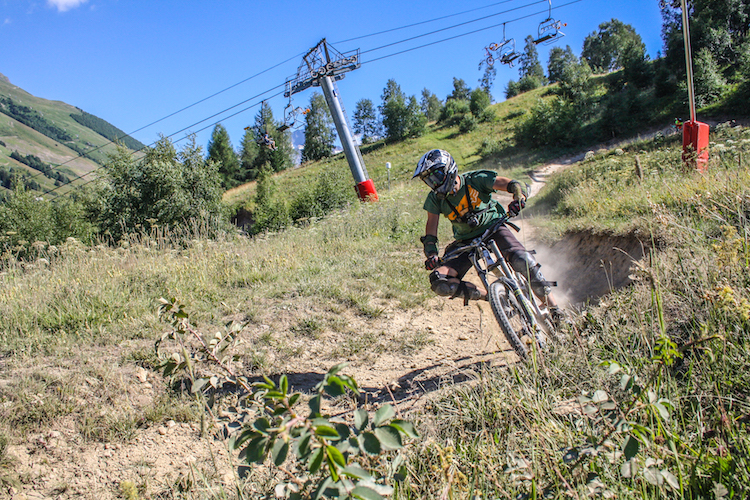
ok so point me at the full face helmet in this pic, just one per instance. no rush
(438, 170)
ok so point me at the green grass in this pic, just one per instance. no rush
(680, 332)
(78, 317)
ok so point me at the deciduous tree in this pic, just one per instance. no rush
(366, 122)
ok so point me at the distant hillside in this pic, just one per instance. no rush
(45, 143)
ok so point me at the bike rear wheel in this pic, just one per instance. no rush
(511, 318)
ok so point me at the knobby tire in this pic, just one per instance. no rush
(513, 328)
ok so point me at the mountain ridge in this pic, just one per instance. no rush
(72, 142)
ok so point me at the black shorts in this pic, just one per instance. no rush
(506, 241)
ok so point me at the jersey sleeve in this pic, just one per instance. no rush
(431, 204)
(485, 180)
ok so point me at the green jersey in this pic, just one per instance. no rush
(475, 196)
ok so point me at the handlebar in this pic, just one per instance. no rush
(504, 220)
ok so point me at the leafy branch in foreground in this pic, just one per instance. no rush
(321, 456)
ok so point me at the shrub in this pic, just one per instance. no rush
(467, 123)
(164, 188)
(479, 101)
(454, 111)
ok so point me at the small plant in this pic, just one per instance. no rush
(321, 456)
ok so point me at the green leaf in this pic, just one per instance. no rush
(355, 472)
(389, 437)
(270, 383)
(364, 493)
(316, 460)
(262, 425)
(370, 443)
(382, 415)
(303, 444)
(315, 405)
(333, 468)
(343, 430)
(293, 399)
(335, 387)
(406, 427)
(361, 418)
(256, 449)
(337, 368)
(244, 436)
(284, 384)
(336, 456)
(326, 431)
(631, 447)
(280, 451)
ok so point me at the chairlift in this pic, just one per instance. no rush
(290, 117)
(290, 112)
(549, 29)
(263, 138)
(507, 50)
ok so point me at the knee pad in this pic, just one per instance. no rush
(442, 285)
(446, 286)
(525, 264)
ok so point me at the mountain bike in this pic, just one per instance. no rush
(522, 317)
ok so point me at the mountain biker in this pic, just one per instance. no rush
(466, 200)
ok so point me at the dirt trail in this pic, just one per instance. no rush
(457, 344)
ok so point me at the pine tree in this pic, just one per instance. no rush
(249, 150)
(220, 151)
(530, 70)
(320, 133)
(280, 158)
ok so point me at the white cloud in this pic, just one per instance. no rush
(64, 5)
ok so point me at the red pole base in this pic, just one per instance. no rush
(366, 191)
(695, 145)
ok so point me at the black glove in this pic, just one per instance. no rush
(432, 262)
(515, 206)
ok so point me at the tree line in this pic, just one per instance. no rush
(636, 85)
(397, 117)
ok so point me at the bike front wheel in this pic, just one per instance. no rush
(511, 317)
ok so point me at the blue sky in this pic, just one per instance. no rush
(133, 62)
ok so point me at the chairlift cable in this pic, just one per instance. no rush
(465, 34)
(421, 22)
(461, 24)
(279, 93)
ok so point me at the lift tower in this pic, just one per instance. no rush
(321, 67)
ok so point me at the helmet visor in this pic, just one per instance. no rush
(434, 178)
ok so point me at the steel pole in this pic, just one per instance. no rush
(688, 59)
(357, 168)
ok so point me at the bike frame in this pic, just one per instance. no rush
(486, 258)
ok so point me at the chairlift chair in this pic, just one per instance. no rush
(506, 50)
(549, 29)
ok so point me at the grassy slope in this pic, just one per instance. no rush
(509, 433)
(26, 141)
(403, 155)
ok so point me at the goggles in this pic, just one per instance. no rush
(434, 178)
